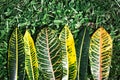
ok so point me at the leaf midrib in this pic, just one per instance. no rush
(100, 61)
(49, 53)
(16, 54)
(67, 53)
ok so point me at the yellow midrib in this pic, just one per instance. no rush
(16, 54)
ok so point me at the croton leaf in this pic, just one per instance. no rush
(16, 56)
(82, 49)
(31, 62)
(49, 54)
(100, 54)
(68, 54)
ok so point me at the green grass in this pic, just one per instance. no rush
(36, 14)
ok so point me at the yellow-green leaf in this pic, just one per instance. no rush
(100, 54)
(31, 62)
(49, 54)
(16, 56)
(68, 54)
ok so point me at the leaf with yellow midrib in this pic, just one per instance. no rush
(100, 54)
(68, 54)
(31, 62)
(16, 56)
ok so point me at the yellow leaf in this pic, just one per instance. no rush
(31, 62)
(68, 54)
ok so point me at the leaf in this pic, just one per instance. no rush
(16, 56)
(49, 54)
(82, 48)
(31, 62)
(68, 54)
(100, 54)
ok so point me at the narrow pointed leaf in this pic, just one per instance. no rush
(82, 48)
(100, 54)
(16, 56)
(68, 54)
(49, 54)
(31, 62)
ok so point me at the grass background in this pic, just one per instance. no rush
(35, 14)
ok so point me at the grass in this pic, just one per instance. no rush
(36, 14)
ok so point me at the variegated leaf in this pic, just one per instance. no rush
(31, 62)
(49, 54)
(100, 54)
(16, 56)
(68, 54)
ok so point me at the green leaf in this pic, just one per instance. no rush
(68, 54)
(16, 56)
(49, 54)
(100, 54)
(31, 62)
(82, 48)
